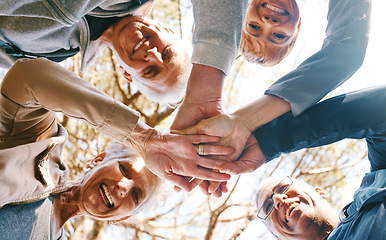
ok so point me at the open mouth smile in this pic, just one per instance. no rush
(290, 210)
(140, 44)
(106, 195)
(275, 9)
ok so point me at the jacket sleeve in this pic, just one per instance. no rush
(340, 57)
(217, 32)
(354, 115)
(42, 87)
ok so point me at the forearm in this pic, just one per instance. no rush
(43, 84)
(205, 84)
(261, 111)
(355, 115)
(140, 136)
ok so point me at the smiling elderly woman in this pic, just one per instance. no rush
(36, 195)
(115, 186)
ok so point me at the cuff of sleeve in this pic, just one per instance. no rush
(122, 118)
(297, 101)
(267, 147)
(213, 56)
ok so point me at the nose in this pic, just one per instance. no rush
(278, 200)
(124, 186)
(154, 55)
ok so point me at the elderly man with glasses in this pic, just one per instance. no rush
(292, 209)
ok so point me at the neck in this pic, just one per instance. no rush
(65, 207)
(327, 226)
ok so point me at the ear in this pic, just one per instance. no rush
(94, 162)
(119, 220)
(300, 23)
(125, 74)
(323, 193)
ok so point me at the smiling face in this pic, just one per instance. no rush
(300, 213)
(115, 188)
(270, 26)
(147, 52)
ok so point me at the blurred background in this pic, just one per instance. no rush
(338, 168)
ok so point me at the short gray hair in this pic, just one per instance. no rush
(175, 92)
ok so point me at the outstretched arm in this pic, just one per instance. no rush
(44, 87)
(40, 87)
(341, 55)
(215, 47)
(355, 115)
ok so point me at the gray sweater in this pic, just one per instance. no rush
(46, 26)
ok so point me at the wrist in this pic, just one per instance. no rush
(140, 137)
(204, 85)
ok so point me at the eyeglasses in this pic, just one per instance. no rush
(269, 204)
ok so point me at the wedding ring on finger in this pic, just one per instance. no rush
(200, 149)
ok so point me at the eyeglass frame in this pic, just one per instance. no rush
(271, 199)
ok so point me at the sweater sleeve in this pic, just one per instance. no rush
(339, 58)
(217, 32)
(45, 87)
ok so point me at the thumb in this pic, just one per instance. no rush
(193, 130)
(238, 167)
(180, 183)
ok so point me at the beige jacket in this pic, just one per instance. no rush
(31, 140)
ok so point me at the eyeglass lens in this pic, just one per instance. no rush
(268, 204)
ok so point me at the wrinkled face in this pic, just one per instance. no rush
(300, 213)
(271, 24)
(115, 188)
(148, 51)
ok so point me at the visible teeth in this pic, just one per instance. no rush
(276, 9)
(290, 210)
(140, 44)
(106, 192)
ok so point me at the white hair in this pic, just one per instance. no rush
(175, 92)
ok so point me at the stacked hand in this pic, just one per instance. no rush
(172, 157)
(202, 108)
(247, 155)
(233, 133)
